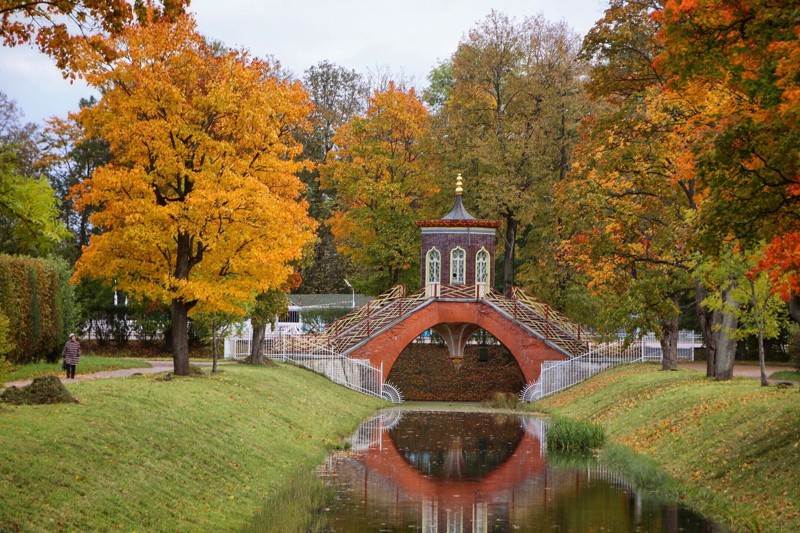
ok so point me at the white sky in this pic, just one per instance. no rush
(403, 36)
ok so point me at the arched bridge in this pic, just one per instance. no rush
(360, 349)
(530, 330)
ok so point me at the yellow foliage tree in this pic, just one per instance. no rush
(200, 205)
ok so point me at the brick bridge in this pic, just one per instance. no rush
(530, 330)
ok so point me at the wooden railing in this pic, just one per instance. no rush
(375, 319)
(371, 307)
(542, 319)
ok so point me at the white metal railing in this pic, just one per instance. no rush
(556, 376)
(687, 342)
(312, 352)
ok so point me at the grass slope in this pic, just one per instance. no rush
(191, 454)
(733, 446)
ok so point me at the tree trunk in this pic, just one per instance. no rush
(726, 344)
(180, 337)
(757, 319)
(214, 346)
(794, 307)
(256, 353)
(509, 255)
(706, 318)
(669, 343)
(761, 362)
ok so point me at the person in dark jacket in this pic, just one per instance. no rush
(72, 354)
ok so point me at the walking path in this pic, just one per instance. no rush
(154, 368)
(742, 371)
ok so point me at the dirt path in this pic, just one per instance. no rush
(154, 368)
(740, 371)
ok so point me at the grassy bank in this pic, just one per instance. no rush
(734, 447)
(191, 454)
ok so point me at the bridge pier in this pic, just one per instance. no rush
(456, 335)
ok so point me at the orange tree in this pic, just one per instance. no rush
(635, 193)
(750, 157)
(71, 30)
(382, 181)
(200, 206)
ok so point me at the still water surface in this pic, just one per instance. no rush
(477, 472)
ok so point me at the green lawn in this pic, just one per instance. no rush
(733, 446)
(786, 375)
(89, 364)
(190, 454)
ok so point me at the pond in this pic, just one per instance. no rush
(481, 472)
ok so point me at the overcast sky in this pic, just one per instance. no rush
(404, 36)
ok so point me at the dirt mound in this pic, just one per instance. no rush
(43, 390)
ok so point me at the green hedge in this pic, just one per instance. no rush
(39, 305)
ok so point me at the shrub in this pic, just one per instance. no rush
(503, 400)
(29, 299)
(575, 435)
(5, 346)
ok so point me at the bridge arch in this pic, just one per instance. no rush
(461, 319)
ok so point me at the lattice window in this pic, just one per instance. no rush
(433, 266)
(457, 263)
(482, 266)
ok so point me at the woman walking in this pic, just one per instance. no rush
(72, 354)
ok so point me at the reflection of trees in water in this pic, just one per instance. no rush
(456, 445)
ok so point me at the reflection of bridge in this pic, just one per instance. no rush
(381, 476)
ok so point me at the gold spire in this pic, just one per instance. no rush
(459, 188)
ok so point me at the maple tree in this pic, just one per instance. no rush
(382, 181)
(751, 160)
(200, 204)
(626, 209)
(69, 30)
(636, 193)
(508, 105)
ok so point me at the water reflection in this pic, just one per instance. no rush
(478, 472)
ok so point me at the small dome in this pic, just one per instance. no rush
(458, 212)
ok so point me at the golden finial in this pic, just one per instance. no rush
(459, 188)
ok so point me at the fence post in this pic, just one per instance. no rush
(546, 321)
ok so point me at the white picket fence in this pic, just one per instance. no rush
(313, 353)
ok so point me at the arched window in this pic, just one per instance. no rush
(482, 266)
(433, 266)
(457, 264)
